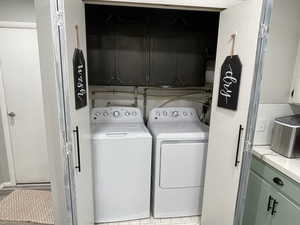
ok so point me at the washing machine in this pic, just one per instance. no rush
(122, 147)
(179, 157)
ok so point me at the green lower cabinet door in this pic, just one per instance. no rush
(257, 211)
(285, 212)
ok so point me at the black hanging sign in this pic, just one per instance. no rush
(79, 79)
(230, 82)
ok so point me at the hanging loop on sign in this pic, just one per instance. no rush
(77, 37)
(233, 36)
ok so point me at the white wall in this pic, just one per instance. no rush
(17, 10)
(155, 98)
(278, 68)
(281, 52)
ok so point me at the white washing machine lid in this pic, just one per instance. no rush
(179, 130)
(119, 130)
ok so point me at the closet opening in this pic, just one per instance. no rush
(150, 77)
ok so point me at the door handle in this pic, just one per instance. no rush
(238, 147)
(275, 203)
(269, 203)
(11, 114)
(76, 131)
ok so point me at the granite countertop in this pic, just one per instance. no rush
(289, 167)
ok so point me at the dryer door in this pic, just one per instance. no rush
(182, 164)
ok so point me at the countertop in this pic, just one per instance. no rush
(289, 167)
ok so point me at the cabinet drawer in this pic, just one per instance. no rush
(278, 180)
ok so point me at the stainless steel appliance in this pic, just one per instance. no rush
(286, 136)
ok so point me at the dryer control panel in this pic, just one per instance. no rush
(173, 114)
(116, 114)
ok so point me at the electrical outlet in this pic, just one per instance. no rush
(261, 125)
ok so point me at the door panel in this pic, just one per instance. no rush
(189, 171)
(286, 212)
(74, 15)
(23, 94)
(256, 211)
(222, 176)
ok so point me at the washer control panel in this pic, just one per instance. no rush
(173, 114)
(116, 114)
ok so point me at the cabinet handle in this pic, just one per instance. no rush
(269, 203)
(278, 181)
(292, 93)
(76, 131)
(238, 147)
(275, 203)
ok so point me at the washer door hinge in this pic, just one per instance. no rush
(264, 31)
(60, 18)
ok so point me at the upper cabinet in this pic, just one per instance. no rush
(217, 4)
(295, 86)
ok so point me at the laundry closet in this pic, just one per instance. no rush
(152, 61)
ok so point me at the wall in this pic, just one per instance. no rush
(278, 68)
(17, 10)
(158, 97)
(281, 52)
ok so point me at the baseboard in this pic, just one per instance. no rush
(5, 184)
(41, 186)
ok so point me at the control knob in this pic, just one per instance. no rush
(116, 113)
(175, 114)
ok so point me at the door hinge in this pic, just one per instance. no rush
(68, 148)
(264, 31)
(60, 18)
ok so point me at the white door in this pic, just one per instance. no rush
(21, 79)
(222, 174)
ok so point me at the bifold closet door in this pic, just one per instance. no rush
(222, 172)
(62, 41)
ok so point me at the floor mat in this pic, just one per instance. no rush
(27, 206)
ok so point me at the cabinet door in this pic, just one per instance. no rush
(256, 211)
(222, 175)
(286, 212)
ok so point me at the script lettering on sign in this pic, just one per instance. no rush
(230, 82)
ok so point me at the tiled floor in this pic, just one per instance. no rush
(3, 194)
(193, 220)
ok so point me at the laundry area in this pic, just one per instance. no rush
(134, 112)
(138, 89)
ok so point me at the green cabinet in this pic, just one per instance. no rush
(286, 212)
(269, 198)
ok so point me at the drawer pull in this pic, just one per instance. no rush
(278, 181)
(275, 203)
(269, 203)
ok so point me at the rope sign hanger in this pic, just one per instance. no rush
(233, 36)
(230, 79)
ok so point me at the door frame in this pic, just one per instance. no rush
(3, 108)
(262, 42)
